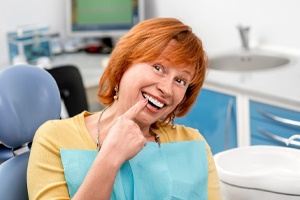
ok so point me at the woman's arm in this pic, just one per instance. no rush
(45, 175)
(123, 141)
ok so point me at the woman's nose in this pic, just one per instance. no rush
(165, 87)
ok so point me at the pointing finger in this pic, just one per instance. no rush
(135, 109)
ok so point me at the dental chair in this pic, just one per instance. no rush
(29, 96)
(71, 87)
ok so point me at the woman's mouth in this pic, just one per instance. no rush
(152, 101)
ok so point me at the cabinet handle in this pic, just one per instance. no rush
(280, 119)
(228, 119)
(278, 138)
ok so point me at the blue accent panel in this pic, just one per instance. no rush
(173, 171)
(208, 115)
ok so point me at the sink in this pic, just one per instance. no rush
(254, 171)
(247, 61)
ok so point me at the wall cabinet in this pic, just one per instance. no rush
(272, 125)
(214, 115)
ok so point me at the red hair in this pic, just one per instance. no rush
(144, 43)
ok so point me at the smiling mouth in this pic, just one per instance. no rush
(152, 101)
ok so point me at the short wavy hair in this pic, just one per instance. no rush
(144, 43)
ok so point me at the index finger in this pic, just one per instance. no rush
(135, 109)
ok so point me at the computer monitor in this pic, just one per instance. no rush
(102, 18)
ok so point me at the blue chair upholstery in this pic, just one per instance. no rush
(29, 96)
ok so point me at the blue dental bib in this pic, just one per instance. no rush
(176, 170)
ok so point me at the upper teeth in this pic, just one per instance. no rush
(154, 101)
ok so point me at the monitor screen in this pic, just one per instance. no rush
(102, 18)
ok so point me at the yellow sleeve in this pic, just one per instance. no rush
(45, 174)
(214, 192)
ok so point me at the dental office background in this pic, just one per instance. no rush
(274, 24)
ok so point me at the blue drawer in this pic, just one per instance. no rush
(257, 108)
(259, 127)
(271, 125)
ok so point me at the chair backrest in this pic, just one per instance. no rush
(29, 96)
(71, 87)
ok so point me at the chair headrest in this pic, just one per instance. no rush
(29, 96)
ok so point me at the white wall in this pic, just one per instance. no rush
(15, 13)
(273, 22)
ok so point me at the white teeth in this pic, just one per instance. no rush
(153, 101)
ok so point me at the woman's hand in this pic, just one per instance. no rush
(125, 138)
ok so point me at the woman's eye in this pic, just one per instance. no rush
(158, 68)
(181, 81)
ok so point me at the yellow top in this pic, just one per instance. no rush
(45, 173)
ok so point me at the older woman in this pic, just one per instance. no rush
(132, 149)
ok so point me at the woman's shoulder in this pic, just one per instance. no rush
(178, 133)
(54, 124)
(61, 128)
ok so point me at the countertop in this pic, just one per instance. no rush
(91, 66)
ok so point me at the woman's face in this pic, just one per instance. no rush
(162, 83)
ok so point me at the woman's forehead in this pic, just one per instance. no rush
(170, 60)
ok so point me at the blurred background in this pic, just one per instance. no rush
(273, 23)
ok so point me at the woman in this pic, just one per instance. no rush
(132, 149)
